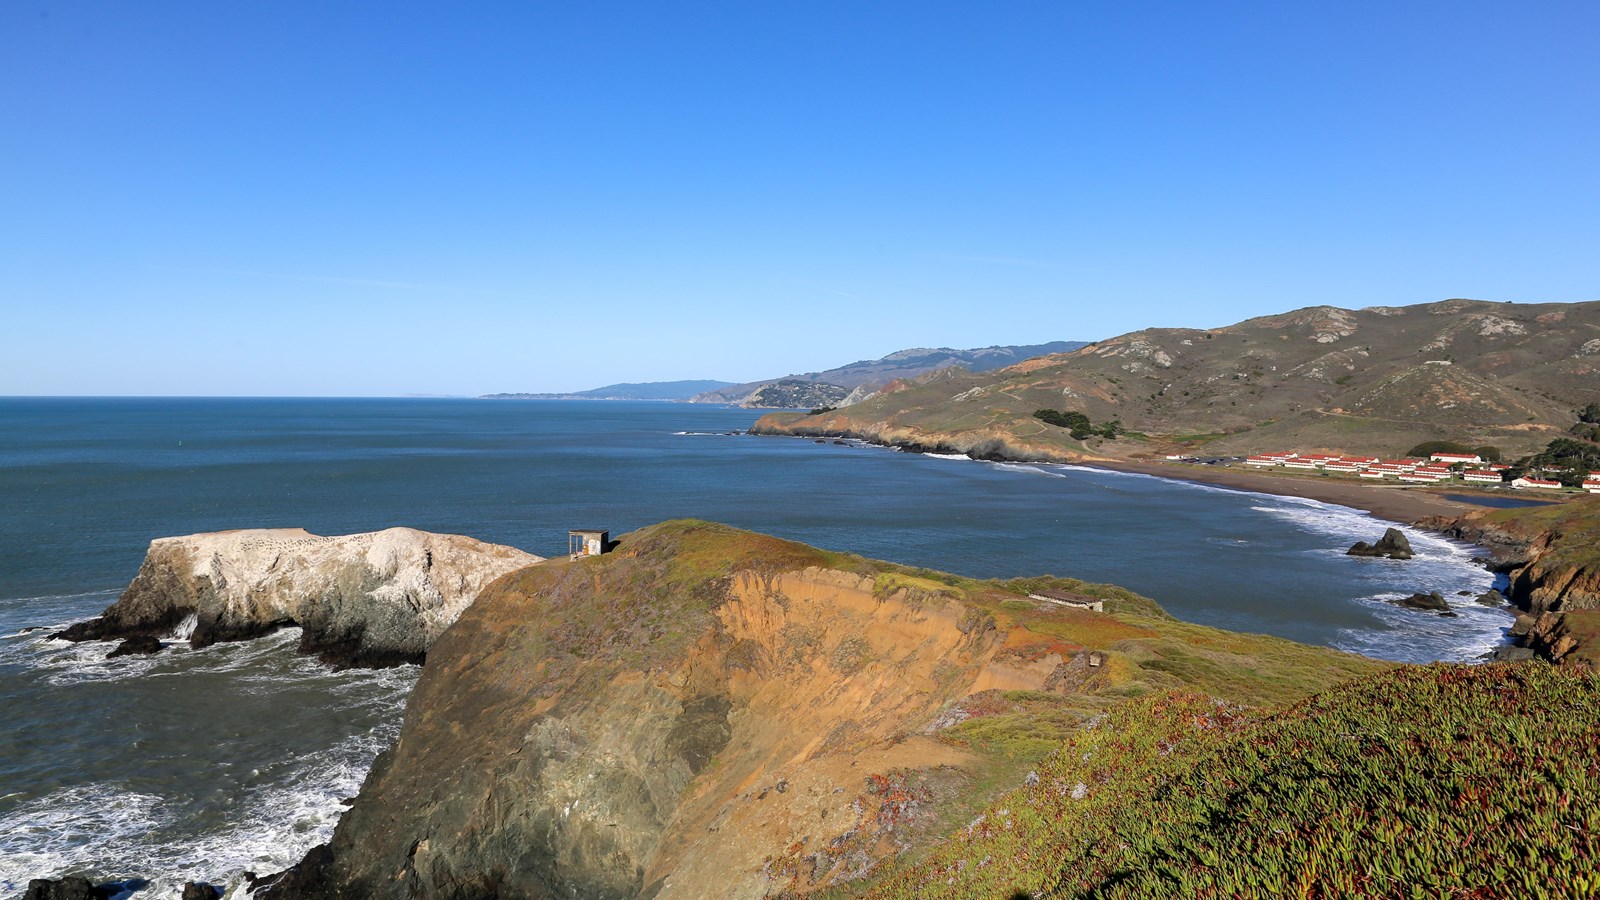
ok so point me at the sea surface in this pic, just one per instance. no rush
(202, 764)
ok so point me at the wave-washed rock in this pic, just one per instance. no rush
(373, 599)
(1393, 545)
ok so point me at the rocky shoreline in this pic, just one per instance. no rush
(374, 599)
(1553, 600)
(1396, 503)
(1551, 580)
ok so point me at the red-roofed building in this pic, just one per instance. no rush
(1452, 458)
(1543, 483)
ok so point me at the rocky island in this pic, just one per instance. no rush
(379, 598)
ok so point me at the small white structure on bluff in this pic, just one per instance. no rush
(587, 542)
(1067, 598)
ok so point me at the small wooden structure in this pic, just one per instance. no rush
(1067, 598)
(587, 542)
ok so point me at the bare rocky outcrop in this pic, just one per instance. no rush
(379, 598)
(1393, 545)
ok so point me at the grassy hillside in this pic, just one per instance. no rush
(1457, 781)
(603, 727)
(870, 374)
(1376, 380)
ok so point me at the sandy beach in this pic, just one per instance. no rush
(1394, 502)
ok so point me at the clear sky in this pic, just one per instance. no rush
(313, 198)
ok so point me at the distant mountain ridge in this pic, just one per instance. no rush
(856, 381)
(1377, 380)
(646, 390)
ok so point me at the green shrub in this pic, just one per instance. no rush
(1062, 419)
(1429, 448)
(1438, 781)
(1489, 453)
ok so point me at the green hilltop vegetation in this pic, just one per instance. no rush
(1377, 380)
(1459, 781)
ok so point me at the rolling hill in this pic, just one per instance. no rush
(1376, 380)
(855, 381)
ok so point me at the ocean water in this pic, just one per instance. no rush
(204, 764)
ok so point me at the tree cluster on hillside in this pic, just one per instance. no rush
(1588, 424)
(1078, 424)
(1487, 452)
(1564, 459)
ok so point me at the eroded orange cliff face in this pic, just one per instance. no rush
(712, 713)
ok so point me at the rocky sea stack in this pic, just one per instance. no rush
(379, 598)
(1393, 545)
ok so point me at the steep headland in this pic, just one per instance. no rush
(362, 599)
(1551, 557)
(707, 712)
(1377, 380)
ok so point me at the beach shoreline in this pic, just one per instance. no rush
(1404, 504)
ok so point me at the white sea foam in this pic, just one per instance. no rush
(1439, 564)
(48, 597)
(185, 629)
(960, 456)
(114, 832)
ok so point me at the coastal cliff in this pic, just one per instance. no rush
(1551, 558)
(707, 712)
(378, 598)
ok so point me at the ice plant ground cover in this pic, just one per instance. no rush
(1467, 781)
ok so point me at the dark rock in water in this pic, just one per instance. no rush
(72, 887)
(196, 891)
(1491, 597)
(841, 443)
(305, 879)
(819, 441)
(1449, 615)
(1433, 600)
(137, 646)
(1392, 545)
(1511, 654)
(1463, 593)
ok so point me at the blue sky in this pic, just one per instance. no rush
(381, 199)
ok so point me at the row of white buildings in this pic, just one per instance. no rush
(1468, 467)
